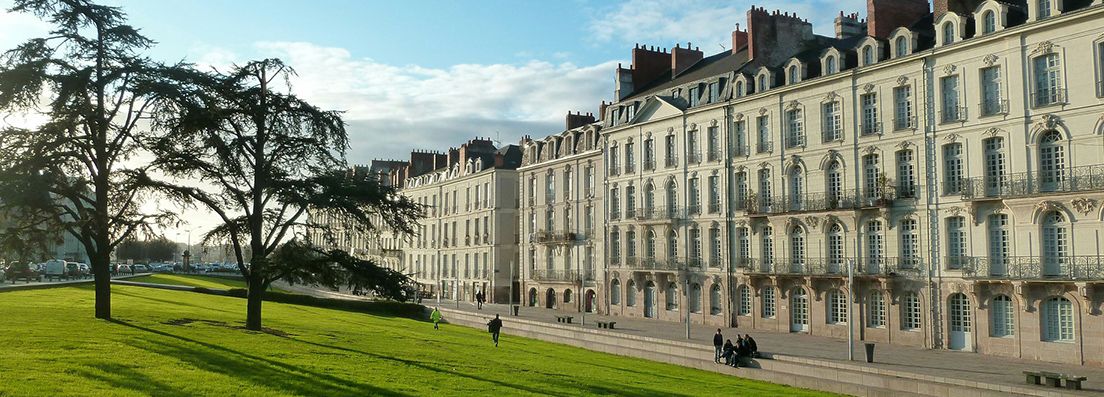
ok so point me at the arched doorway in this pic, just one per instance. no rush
(532, 297)
(799, 310)
(961, 336)
(589, 301)
(550, 298)
(649, 300)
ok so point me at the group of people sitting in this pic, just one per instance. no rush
(732, 354)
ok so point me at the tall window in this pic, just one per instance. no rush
(762, 84)
(672, 244)
(870, 123)
(832, 125)
(1058, 320)
(568, 184)
(695, 298)
(649, 200)
(830, 65)
(669, 151)
(672, 198)
(868, 55)
(874, 246)
(714, 91)
(550, 220)
(995, 179)
(793, 74)
(650, 245)
(693, 152)
(630, 294)
(739, 89)
(767, 295)
(762, 124)
(956, 242)
(745, 301)
(875, 310)
(909, 247)
(588, 180)
(672, 296)
(1052, 162)
(998, 244)
(834, 182)
(948, 33)
(695, 244)
(901, 46)
(740, 186)
(715, 246)
(739, 139)
(991, 101)
(743, 246)
(630, 244)
(797, 249)
(630, 158)
(910, 311)
(906, 175)
(1048, 74)
(764, 188)
(630, 201)
(713, 144)
(837, 307)
(952, 168)
(695, 96)
(1055, 234)
(797, 188)
(649, 154)
(1002, 316)
(715, 300)
(835, 248)
(614, 161)
(871, 175)
(902, 108)
(988, 22)
(615, 245)
(615, 292)
(615, 203)
(714, 194)
(795, 129)
(1045, 10)
(694, 195)
(949, 94)
(766, 245)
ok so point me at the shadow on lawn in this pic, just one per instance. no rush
(122, 377)
(251, 368)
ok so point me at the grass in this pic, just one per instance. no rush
(172, 343)
(194, 280)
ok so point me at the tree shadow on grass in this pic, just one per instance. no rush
(119, 376)
(251, 368)
(172, 302)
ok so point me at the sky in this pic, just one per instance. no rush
(431, 74)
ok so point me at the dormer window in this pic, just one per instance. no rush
(830, 65)
(677, 92)
(793, 74)
(901, 45)
(868, 55)
(1045, 8)
(714, 91)
(989, 22)
(739, 89)
(632, 111)
(948, 33)
(694, 96)
(762, 84)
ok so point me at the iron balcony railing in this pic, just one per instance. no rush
(694, 157)
(713, 154)
(661, 214)
(1070, 267)
(1027, 184)
(563, 237)
(952, 114)
(739, 150)
(905, 123)
(649, 164)
(848, 199)
(764, 147)
(671, 161)
(662, 264)
(831, 134)
(1048, 97)
(614, 170)
(554, 275)
(837, 267)
(874, 128)
(795, 140)
(630, 167)
(993, 108)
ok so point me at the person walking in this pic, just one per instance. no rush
(718, 345)
(479, 300)
(494, 327)
(436, 318)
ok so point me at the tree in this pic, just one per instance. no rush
(158, 249)
(96, 89)
(263, 158)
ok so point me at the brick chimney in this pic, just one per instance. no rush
(453, 156)
(773, 38)
(886, 15)
(964, 7)
(683, 58)
(849, 26)
(576, 120)
(739, 39)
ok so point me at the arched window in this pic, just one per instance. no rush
(901, 46)
(630, 201)
(909, 244)
(834, 182)
(715, 300)
(615, 292)
(1058, 320)
(875, 309)
(837, 307)
(948, 33)
(567, 296)
(868, 55)
(672, 296)
(672, 245)
(1055, 244)
(793, 74)
(797, 250)
(874, 252)
(989, 22)
(532, 297)
(830, 65)
(766, 246)
(835, 248)
(998, 244)
(650, 245)
(739, 89)
(1002, 316)
(762, 85)
(672, 198)
(630, 294)
(695, 298)
(1052, 162)
(715, 246)
(797, 188)
(745, 300)
(649, 200)
(695, 244)
(630, 244)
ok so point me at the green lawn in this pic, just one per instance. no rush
(170, 343)
(193, 280)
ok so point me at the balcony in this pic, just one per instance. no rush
(630, 168)
(793, 141)
(831, 135)
(713, 154)
(714, 208)
(993, 108)
(1063, 268)
(739, 150)
(905, 123)
(671, 161)
(649, 164)
(849, 199)
(1050, 97)
(662, 264)
(764, 147)
(837, 267)
(660, 215)
(1030, 184)
(554, 275)
(615, 215)
(614, 170)
(870, 129)
(694, 157)
(952, 114)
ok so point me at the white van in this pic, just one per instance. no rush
(56, 270)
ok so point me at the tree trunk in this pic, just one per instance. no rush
(254, 298)
(102, 273)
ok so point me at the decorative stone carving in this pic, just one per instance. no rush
(739, 117)
(1046, 206)
(670, 130)
(951, 138)
(903, 80)
(868, 87)
(830, 96)
(763, 111)
(1048, 121)
(905, 145)
(713, 123)
(949, 69)
(1083, 205)
(793, 105)
(1043, 48)
(813, 222)
(870, 149)
(764, 164)
(991, 132)
(647, 134)
(693, 126)
(990, 59)
(953, 211)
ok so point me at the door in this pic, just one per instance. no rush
(550, 298)
(590, 301)
(799, 311)
(960, 336)
(649, 300)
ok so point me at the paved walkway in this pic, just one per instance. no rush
(941, 363)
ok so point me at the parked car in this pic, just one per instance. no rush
(124, 269)
(139, 268)
(23, 271)
(55, 269)
(86, 270)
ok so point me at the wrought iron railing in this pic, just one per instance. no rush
(693, 157)
(739, 150)
(1048, 97)
(554, 275)
(880, 267)
(952, 114)
(847, 199)
(671, 161)
(993, 108)
(661, 214)
(1071, 267)
(764, 147)
(1026, 184)
(905, 123)
(649, 164)
(868, 129)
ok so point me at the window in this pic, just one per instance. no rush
(740, 186)
(630, 201)
(614, 164)
(695, 299)
(615, 245)
(872, 175)
(833, 121)
(715, 300)
(714, 91)
(615, 292)
(1048, 90)
(764, 189)
(615, 203)
(567, 184)
(672, 198)
(672, 244)
(830, 65)
(693, 152)
(650, 244)
(743, 246)
(988, 22)
(630, 294)
(695, 244)
(834, 181)
(956, 242)
(960, 313)
(952, 168)
(795, 131)
(1100, 69)
(1055, 247)
(669, 151)
(1052, 162)
(1002, 316)
(694, 195)
(714, 246)
(948, 33)
(649, 199)
(909, 247)
(875, 310)
(901, 46)
(714, 194)
(766, 242)
(998, 244)
(797, 188)
(649, 154)
(767, 295)
(991, 101)
(792, 73)
(837, 307)
(1044, 8)
(906, 175)
(672, 296)
(739, 140)
(995, 180)
(870, 125)
(763, 127)
(713, 144)
(1058, 320)
(868, 55)
(588, 180)
(949, 94)
(630, 158)
(762, 84)
(739, 89)
(630, 244)
(835, 248)
(874, 251)
(745, 301)
(797, 250)
(910, 311)
(902, 108)
(694, 96)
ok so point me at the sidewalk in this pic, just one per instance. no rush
(938, 363)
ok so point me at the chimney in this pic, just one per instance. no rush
(774, 38)
(576, 120)
(623, 82)
(602, 108)
(453, 156)
(883, 16)
(739, 39)
(648, 65)
(683, 58)
(849, 26)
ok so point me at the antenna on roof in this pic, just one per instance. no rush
(498, 139)
(722, 47)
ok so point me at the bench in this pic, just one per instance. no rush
(1053, 379)
(564, 319)
(606, 324)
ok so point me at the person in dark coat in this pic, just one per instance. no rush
(729, 352)
(494, 327)
(718, 342)
(753, 349)
(479, 300)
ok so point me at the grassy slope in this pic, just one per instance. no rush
(52, 346)
(193, 280)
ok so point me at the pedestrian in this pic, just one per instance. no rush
(753, 349)
(479, 300)
(718, 344)
(729, 351)
(738, 350)
(436, 318)
(494, 327)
